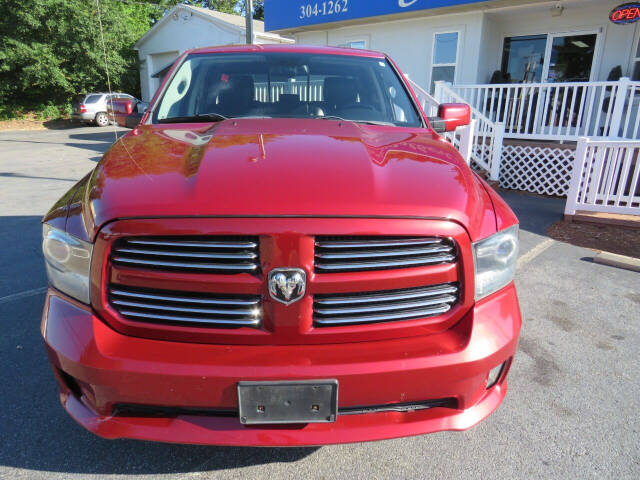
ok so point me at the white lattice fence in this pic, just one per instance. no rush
(545, 170)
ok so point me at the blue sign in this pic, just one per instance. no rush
(281, 14)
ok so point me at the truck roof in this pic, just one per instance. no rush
(318, 49)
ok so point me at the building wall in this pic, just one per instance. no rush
(616, 41)
(410, 42)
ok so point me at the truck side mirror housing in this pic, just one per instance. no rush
(450, 116)
(142, 107)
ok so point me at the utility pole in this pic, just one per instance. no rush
(249, 20)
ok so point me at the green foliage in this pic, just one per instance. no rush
(52, 49)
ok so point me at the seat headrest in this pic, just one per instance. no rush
(239, 92)
(340, 91)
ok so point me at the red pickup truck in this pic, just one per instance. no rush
(284, 252)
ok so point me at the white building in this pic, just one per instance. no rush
(465, 41)
(185, 27)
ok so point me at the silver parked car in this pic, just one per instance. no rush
(92, 107)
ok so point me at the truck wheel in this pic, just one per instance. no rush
(101, 119)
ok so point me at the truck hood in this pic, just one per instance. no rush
(276, 167)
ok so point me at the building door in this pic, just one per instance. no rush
(569, 57)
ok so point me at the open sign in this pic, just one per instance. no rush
(625, 13)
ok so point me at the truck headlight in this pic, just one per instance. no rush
(495, 260)
(68, 262)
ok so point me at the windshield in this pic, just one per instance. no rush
(211, 87)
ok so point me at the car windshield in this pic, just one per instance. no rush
(212, 87)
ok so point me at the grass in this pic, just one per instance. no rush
(37, 112)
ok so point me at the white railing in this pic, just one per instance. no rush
(428, 103)
(605, 177)
(559, 111)
(311, 92)
(486, 148)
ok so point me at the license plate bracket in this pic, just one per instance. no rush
(298, 401)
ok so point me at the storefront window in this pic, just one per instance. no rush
(571, 58)
(550, 57)
(523, 58)
(445, 57)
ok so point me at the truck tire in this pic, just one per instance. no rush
(101, 119)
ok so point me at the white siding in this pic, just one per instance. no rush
(410, 42)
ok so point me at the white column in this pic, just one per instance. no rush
(467, 134)
(618, 106)
(576, 176)
(496, 152)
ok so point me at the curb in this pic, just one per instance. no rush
(619, 261)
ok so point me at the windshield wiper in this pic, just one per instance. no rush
(200, 117)
(368, 122)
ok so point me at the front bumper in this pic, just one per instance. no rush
(109, 368)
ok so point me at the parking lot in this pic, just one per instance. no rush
(574, 388)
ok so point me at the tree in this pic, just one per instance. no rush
(258, 10)
(52, 49)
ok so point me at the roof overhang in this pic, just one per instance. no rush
(216, 21)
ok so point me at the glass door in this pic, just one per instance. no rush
(569, 57)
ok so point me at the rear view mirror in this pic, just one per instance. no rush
(450, 116)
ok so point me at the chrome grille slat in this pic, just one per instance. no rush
(197, 266)
(383, 253)
(223, 254)
(208, 321)
(193, 244)
(383, 264)
(353, 254)
(407, 295)
(427, 312)
(377, 243)
(209, 301)
(173, 308)
(165, 253)
(161, 306)
(389, 305)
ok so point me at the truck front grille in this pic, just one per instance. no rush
(353, 254)
(226, 255)
(383, 306)
(186, 308)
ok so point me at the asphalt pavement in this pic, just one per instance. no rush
(574, 388)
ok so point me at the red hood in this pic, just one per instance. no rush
(275, 167)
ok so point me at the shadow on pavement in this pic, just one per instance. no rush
(20, 175)
(536, 213)
(101, 140)
(36, 432)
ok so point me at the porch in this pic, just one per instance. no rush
(579, 140)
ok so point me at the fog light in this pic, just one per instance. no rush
(494, 375)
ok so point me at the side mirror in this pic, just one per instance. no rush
(142, 107)
(450, 116)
